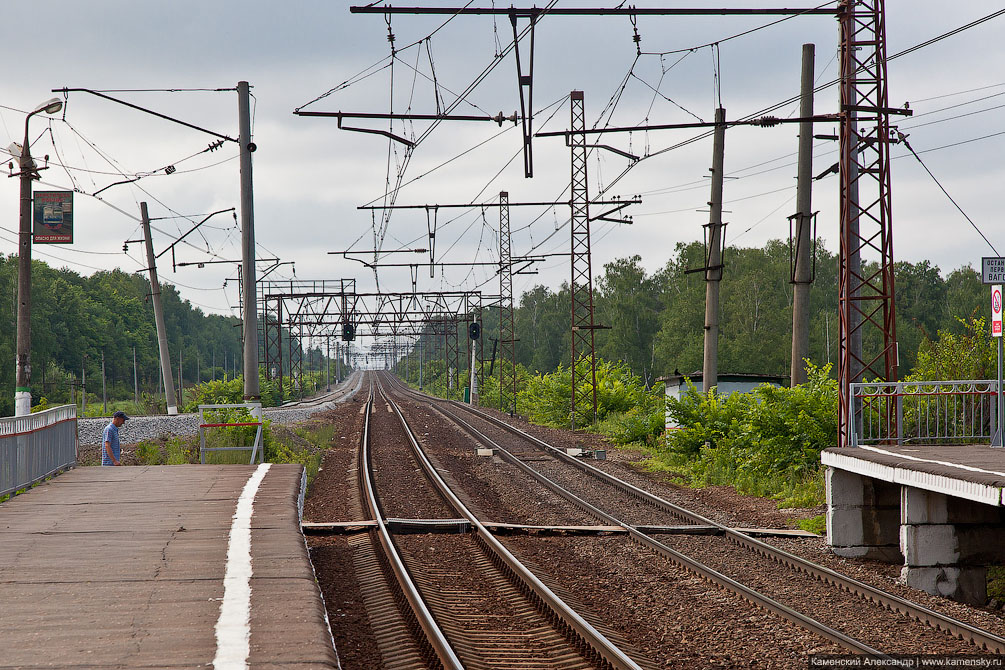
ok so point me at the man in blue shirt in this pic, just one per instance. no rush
(110, 454)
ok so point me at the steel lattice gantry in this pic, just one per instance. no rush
(305, 309)
(301, 307)
(507, 324)
(868, 337)
(582, 272)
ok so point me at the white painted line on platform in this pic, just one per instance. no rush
(233, 628)
(931, 460)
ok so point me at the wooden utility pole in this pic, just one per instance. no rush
(802, 266)
(713, 256)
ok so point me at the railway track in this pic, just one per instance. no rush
(727, 556)
(465, 599)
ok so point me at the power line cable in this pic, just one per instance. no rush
(903, 140)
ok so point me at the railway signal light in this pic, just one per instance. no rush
(348, 332)
(474, 330)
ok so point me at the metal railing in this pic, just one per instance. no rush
(254, 409)
(937, 412)
(36, 446)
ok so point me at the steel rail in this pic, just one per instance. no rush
(750, 595)
(328, 396)
(597, 642)
(434, 635)
(981, 638)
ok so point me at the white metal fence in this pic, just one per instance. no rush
(225, 418)
(36, 446)
(942, 412)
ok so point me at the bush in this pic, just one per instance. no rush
(548, 398)
(767, 442)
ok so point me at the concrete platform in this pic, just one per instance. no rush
(938, 509)
(125, 568)
(974, 472)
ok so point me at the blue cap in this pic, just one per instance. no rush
(120, 415)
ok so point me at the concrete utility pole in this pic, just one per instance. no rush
(181, 382)
(252, 390)
(28, 171)
(155, 298)
(802, 269)
(713, 267)
(136, 380)
(104, 391)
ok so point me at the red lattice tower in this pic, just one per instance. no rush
(865, 285)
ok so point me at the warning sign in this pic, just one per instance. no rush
(996, 310)
(52, 219)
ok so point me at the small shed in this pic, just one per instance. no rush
(676, 385)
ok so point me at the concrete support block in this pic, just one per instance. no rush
(848, 489)
(952, 544)
(967, 585)
(929, 545)
(919, 506)
(863, 516)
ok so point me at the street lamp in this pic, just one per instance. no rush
(22, 391)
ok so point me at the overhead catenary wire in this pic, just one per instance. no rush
(610, 185)
(903, 140)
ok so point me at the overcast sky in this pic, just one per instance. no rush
(310, 177)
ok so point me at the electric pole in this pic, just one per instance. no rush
(507, 324)
(104, 392)
(802, 268)
(713, 257)
(252, 389)
(155, 298)
(136, 380)
(581, 284)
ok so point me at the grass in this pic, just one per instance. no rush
(816, 524)
(996, 582)
(300, 444)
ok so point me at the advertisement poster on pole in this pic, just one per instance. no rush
(52, 217)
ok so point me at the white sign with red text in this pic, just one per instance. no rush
(996, 310)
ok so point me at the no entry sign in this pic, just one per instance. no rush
(996, 310)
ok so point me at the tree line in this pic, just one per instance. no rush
(77, 320)
(654, 322)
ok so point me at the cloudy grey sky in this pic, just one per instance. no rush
(310, 176)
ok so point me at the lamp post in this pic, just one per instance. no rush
(22, 391)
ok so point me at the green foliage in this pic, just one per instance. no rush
(219, 392)
(767, 442)
(489, 391)
(967, 352)
(233, 436)
(816, 524)
(168, 450)
(180, 451)
(148, 453)
(996, 582)
(305, 445)
(76, 319)
(629, 410)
